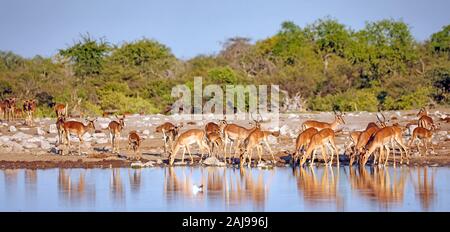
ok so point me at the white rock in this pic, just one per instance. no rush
(213, 161)
(33, 140)
(30, 145)
(284, 130)
(39, 131)
(101, 141)
(159, 161)
(137, 165)
(146, 132)
(52, 129)
(99, 135)
(4, 139)
(52, 139)
(24, 129)
(45, 145)
(20, 136)
(104, 125)
(442, 133)
(12, 129)
(87, 136)
(149, 164)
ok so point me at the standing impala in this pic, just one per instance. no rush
(338, 119)
(424, 136)
(115, 127)
(78, 129)
(302, 142)
(254, 140)
(170, 133)
(134, 142)
(214, 136)
(321, 139)
(235, 134)
(60, 128)
(61, 110)
(187, 138)
(29, 107)
(425, 121)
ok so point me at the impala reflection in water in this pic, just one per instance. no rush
(227, 189)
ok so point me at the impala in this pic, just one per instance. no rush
(187, 138)
(302, 142)
(214, 136)
(170, 133)
(78, 129)
(424, 136)
(235, 134)
(425, 121)
(29, 107)
(380, 140)
(134, 142)
(364, 137)
(321, 139)
(60, 128)
(10, 106)
(115, 127)
(254, 140)
(338, 119)
(61, 110)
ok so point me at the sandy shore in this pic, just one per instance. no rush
(36, 147)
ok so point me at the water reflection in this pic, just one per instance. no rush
(73, 188)
(227, 186)
(423, 183)
(319, 187)
(379, 184)
(247, 189)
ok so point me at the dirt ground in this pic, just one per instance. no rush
(16, 151)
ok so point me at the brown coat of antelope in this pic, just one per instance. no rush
(170, 133)
(10, 108)
(320, 139)
(60, 128)
(234, 133)
(29, 107)
(380, 140)
(134, 142)
(187, 138)
(61, 110)
(425, 121)
(338, 119)
(214, 136)
(254, 140)
(115, 127)
(302, 142)
(78, 129)
(424, 136)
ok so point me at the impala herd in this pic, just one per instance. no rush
(378, 139)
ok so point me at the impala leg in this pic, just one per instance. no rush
(270, 150)
(259, 147)
(387, 155)
(324, 154)
(182, 156)
(333, 145)
(311, 163)
(190, 154)
(117, 140)
(79, 145)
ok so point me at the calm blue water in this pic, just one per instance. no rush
(280, 189)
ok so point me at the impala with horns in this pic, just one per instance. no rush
(424, 136)
(235, 134)
(78, 129)
(380, 140)
(363, 137)
(425, 121)
(338, 120)
(170, 133)
(321, 139)
(254, 140)
(185, 140)
(115, 127)
(302, 142)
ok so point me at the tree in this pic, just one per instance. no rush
(87, 55)
(148, 57)
(440, 41)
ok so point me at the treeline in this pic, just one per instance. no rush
(325, 64)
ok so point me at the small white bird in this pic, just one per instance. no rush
(196, 189)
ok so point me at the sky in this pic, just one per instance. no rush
(193, 27)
